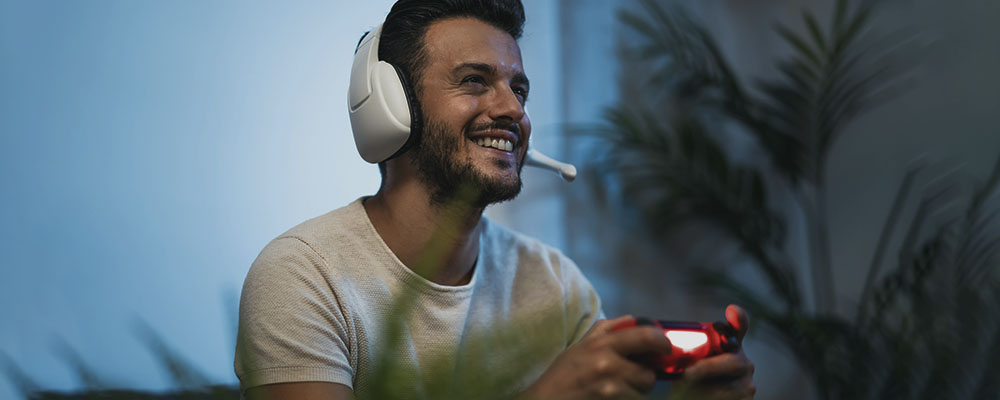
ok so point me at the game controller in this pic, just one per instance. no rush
(692, 341)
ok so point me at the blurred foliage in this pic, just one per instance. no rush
(926, 325)
(188, 382)
(216, 392)
(492, 365)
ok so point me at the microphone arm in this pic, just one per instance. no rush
(539, 160)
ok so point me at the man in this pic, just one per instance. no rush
(320, 313)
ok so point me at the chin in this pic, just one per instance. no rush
(498, 187)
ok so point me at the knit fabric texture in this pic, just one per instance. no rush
(329, 301)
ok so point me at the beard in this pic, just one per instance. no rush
(441, 169)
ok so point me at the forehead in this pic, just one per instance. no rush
(454, 41)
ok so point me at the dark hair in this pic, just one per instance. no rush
(402, 40)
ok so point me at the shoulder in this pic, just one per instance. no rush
(333, 228)
(325, 236)
(305, 253)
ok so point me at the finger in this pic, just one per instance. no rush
(612, 376)
(737, 317)
(615, 389)
(606, 325)
(637, 376)
(640, 339)
(723, 367)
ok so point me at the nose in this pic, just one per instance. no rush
(506, 105)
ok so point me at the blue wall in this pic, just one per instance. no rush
(148, 151)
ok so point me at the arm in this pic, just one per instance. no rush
(595, 365)
(292, 325)
(598, 367)
(301, 391)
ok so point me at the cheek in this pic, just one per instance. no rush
(456, 113)
(463, 115)
(466, 109)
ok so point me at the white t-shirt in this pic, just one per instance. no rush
(318, 300)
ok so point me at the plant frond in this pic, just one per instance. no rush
(674, 171)
(183, 373)
(799, 45)
(815, 32)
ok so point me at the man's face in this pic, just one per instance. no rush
(472, 96)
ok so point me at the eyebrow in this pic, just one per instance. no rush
(489, 69)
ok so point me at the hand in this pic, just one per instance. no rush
(598, 367)
(725, 376)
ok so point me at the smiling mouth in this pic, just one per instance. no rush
(499, 144)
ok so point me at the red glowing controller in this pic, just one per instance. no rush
(692, 341)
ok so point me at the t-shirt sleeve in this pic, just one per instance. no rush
(582, 303)
(291, 324)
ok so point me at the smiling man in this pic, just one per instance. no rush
(320, 299)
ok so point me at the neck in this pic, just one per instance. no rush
(439, 242)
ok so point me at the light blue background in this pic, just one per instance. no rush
(149, 150)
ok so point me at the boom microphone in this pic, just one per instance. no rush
(539, 160)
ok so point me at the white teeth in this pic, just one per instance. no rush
(499, 144)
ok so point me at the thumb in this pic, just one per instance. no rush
(737, 317)
(607, 325)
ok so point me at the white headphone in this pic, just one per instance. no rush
(382, 113)
(377, 101)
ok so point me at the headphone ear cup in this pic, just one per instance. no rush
(381, 121)
(385, 114)
(416, 116)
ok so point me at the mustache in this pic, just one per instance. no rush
(496, 125)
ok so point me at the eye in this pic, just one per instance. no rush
(521, 92)
(476, 80)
